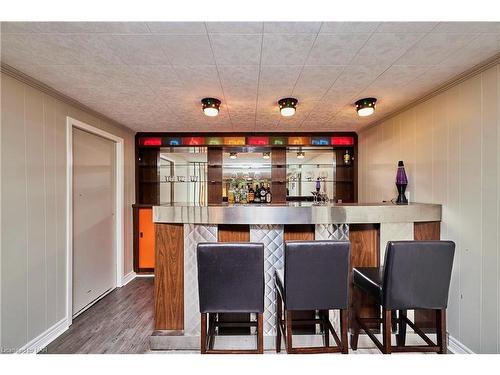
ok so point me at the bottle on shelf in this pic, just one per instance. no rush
(243, 195)
(262, 193)
(230, 194)
(257, 194)
(347, 158)
(251, 193)
(269, 196)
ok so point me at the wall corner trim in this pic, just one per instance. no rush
(456, 347)
(128, 278)
(45, 338)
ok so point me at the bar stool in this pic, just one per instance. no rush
(416, 275)
(230, 280)
(315, 277)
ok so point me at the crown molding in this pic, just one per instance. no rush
(475, 70)
(30, 81)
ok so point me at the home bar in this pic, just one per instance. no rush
(262, 187)
(312, 182)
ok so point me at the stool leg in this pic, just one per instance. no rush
(260, 333)
(326, 331)
(344, 319)
(441, 331)
(279, 316)
(354, 320)
(401, 336)
(288, 325)
(386, 330)
(203, 336)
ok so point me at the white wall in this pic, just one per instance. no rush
(33, 193)
(450, 145)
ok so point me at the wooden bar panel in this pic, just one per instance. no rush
(214, 175)
(278, 174)
(299, 232)
(365, 252)
(169, 277)
(426, 231)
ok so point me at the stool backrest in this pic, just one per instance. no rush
(231, 277)
(317, 275)
(417, 274)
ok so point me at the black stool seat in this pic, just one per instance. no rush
(315, 278)
(370, 280)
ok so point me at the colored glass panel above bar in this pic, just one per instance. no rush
(257, 141)
(193, 141)
(214, 141)
(150, 141)
(320, 141)
(234, 141)
(298, 141)
(342, 141)
(278, 141)
(173, 141)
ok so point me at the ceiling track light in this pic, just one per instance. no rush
(266, 155)
(287, 106)
(366, 106)
(210, 106)
(233, 155)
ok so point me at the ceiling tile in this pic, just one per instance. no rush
(138, 49)
(187, 49)
(286, 49)
(405, 27)
(239, 81)
(348, 27)
(291, 27)
(203, 80)
(467, 27)
(434, 48)
(314, 81)
(236, 49)
(157, 75)
(277, 82)
(480, 49)
(336, 49)
(385, 48)
(75, 27)
(177, 27)
(235, 27)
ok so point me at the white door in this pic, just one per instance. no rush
(93, 218)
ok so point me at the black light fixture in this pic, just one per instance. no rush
(301, 154)
(210, 106)
(287, 106)
(366, 106)
(233, 155)
(266, 155)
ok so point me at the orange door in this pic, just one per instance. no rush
(146, 238)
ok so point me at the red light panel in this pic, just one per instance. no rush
(193, 141)
(258, 141)
(153, 141)
(342, 141)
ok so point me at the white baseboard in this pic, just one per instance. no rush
(44, 339)
(142, 275)
(456, 347)
(128, 278)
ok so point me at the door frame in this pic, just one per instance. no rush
(71, 124)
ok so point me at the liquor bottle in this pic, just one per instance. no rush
(230, 195)
(237, 195)
(269, 196)
(256, 198)
(251, 194)
(347, 158)
(262, 193)
(244, 195)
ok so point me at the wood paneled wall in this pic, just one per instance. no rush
(278, 174)
(169, 276)
(33, 200)
(451, 148)
(214, 175)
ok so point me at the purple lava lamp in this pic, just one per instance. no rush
(401, 183)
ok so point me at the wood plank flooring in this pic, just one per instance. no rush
(119, 323)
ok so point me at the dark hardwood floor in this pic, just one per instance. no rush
(119, 323)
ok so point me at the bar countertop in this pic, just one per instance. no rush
(297, 213)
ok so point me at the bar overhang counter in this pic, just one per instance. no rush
(179, 228)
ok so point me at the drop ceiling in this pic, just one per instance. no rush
(152, 76)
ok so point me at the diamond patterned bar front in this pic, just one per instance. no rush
(272, 238)
(193, 234)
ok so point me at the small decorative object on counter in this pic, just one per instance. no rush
(318, 185)
(401, 183)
